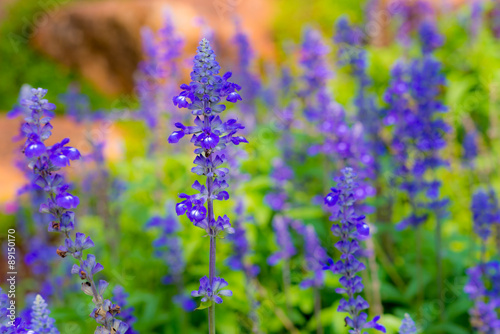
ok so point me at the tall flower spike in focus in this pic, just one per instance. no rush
(203, 96)
(351, 230)
(46, 161)
(40, 320)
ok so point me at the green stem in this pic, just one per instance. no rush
(317, 310)
(287, 283)
(439, 267)
(211, 308)
(420, 279)
(210, 217)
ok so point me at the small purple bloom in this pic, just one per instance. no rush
(212, 291)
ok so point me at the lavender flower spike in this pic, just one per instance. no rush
(281, 225)
(351, 230)
(45, 163)
(41, 323)
(485, 212)
(483, 287)
(126, 313)
(408, 325)
(210, 135)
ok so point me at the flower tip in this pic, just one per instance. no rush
(175, 137)
(234, 97)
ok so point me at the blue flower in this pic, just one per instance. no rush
(212, 292)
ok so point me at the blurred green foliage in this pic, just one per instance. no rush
(20, 63)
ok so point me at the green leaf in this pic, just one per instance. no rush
(204, 305)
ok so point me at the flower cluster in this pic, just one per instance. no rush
(40, 320)
(353, 54)
(470, 150)
(351, 230)
(168, 246)
(45, 163)
(281, 174)
(244, 74)
(212, 291)
(40, 252)
(126, 314)
(483, 287)
(76, 104)
(407, 326)
(203, 96)
(430, 39)
(347, 37)
(494, 20)
(339, 142)
(412, 14)
(485, 212)
(281, 226)
(418, 130)
(155, 80)
(241, 247)
(41, 323)
(315, 256)
(319, 107)
(476, 18)
(210, 134)
(4, 311)
(317, 73)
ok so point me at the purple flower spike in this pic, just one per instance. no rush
(351, 228)
(204, 97)
(408, 326)
(45, 162)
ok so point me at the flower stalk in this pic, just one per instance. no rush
(209, 135)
